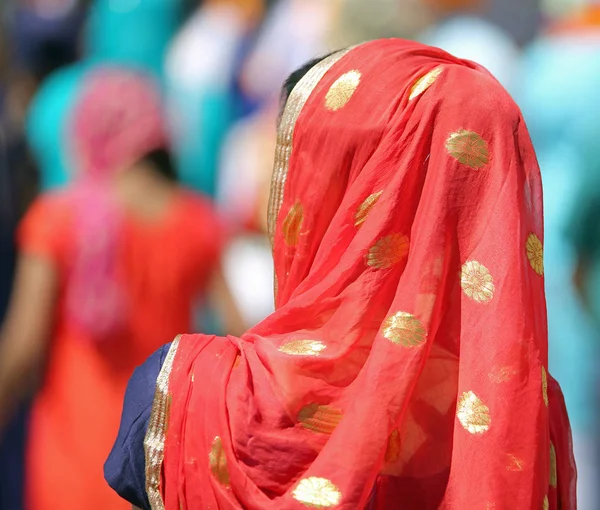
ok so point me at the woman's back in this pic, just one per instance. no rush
(162, 266)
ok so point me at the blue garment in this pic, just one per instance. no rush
(125, 469)
(558, 98)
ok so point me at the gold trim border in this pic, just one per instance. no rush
(285, 134)
(154, 441)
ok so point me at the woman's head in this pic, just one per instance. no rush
(117, 121)
(293, 79)
(354, 121)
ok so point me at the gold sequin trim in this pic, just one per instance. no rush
(303, 348)
(477, 282)
(423, 83)
(514, 463)
(404, 329)
(218, 462)
(293, 224)
(535, 253)
(285, 134)
(553, 468)
(154, 441)
(545, 386)
(473, 414)
(342, 90)
(392, 452)
(365, 208)
(546, 503)
(321, 419)
(315, 492)
(468, 148)
(388, 251)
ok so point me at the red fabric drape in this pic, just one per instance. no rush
(405, 364)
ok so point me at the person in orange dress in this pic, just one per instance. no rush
(108, 268)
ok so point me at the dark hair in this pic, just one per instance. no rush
(294, 78)
(162, 161)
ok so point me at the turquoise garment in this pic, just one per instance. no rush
(133, 32)
(47, 125)
(559, 99)
(206, 120)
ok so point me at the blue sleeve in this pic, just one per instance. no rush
(125, 467)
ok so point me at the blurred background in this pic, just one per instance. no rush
(219, 65)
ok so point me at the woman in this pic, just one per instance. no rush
(201, 70)
(100, 264)
(407, 355)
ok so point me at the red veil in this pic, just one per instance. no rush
(405, 366)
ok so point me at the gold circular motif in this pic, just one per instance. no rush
(342, 90)
(303, 348)
(321, 419)
(535, 253)
(473, 414)
(315, 492)
(404, 329)
(293, 224)
(545, 386)
(365, 208)
(218, 462)
(468, 148)
(423, 83)
(388, 251)
(477, 282)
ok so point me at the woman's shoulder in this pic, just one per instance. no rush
(46, 225)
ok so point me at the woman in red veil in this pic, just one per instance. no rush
(405, 364)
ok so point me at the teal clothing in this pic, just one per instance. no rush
(559, 98)
(47, 125)
(205, 121)
(133, 32)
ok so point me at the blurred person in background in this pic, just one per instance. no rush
(14, 166)
(462, 30)
(107, 268)
(201, 73)
(393, 370)
(558, 91)
(131, 33)
(292, 31)
(40, 36)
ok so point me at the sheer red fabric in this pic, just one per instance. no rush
(405, 364)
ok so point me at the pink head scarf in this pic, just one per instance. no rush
(116, 121)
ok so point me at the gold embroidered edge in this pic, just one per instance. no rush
(154, 441)
(285, 134)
